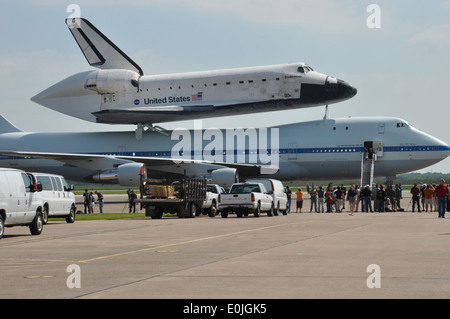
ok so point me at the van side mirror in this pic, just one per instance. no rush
(69, 188)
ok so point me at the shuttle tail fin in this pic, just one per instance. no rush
(7, 127)
(98, 50)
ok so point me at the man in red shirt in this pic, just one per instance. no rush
(441, 194)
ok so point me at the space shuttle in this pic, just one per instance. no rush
(119, 92)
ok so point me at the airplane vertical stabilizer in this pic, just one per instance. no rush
(99, 51)
(7, 127)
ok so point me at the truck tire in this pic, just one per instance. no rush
(213, 210)
(257, 212)
(194, 211)
(277, 211)
(2, 227)
(270, 212)
(157, 214)
(37, 224)
(70, 219)
(224, 214)
(45, 215)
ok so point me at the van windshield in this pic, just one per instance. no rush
(65, 185)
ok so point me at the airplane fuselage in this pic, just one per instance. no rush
(325, 149)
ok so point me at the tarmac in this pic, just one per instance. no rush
(394, 255)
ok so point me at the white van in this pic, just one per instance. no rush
(59, 201)
(21, 202)
(275, 188)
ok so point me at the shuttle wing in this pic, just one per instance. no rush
(155, 163)
(99, 51)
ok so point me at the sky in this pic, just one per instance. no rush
(400, 67)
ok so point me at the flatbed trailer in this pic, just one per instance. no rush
(184, 202)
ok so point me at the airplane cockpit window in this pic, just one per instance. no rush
(403, 124)
(300, 69)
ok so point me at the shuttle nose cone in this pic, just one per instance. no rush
(332, 91)
(345, 89)
(70, 97)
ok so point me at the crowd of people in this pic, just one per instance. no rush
(89, 201)
(378, 198)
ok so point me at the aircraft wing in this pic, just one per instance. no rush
(103, 162)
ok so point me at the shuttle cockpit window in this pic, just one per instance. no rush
(300, 69)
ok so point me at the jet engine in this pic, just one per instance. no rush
(225, 176)
(126, 175)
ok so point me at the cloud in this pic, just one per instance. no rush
(436, 36)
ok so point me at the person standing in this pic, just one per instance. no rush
(344, 195)
(351, 197)
(374, 197)
(320, 196)
(100, 201)
(441, 194)
(366, 193)
(92, 202)
(313, 194)
(87, 201)
(329, 198)
(338, 199)
(398, 197)
(288, 194)
(381, 197)
(428, 194)
(299, 195)
(132, 203)
(415, 191)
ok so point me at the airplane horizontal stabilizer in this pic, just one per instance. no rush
(99, 51)
(7, 127)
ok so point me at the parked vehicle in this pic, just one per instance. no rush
(186, 198)
(21, 203)
(276, 189)
(245, 198)
(59, 201)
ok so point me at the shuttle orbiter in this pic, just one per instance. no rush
(120, 93)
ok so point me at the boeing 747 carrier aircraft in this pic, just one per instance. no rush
(337, 149)
(120, 93)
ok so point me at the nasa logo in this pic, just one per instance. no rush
(136, 102)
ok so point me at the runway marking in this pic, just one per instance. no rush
(182, 243)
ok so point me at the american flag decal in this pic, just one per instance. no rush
(197, 97)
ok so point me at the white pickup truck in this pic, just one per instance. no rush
(244, 198)
(210, 205)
